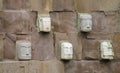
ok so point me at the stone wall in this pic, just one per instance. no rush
(18, 22)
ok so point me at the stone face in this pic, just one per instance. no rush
(16, 5)
(63, 5)
(91, 44)
(64, 22)
(10, 44)
(104, 27)
(21, 21)
(72, 38)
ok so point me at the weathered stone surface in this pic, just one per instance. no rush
(96, 5)
(23, 37)
(93, 67)
(58, 37)
(63, 5)
(2, 36)
(99, 36)
(87, 67)
(86, 6)
(14, 67)
(105, 22)
(116, 45)
(71, 66)
(64, 22)
(21, 21)
(1, 4)
(9, 46)
(71, 37)
(90, 49)
(35, 66)
(110, 5)
(91, 44)
(52, 66)
(75, 39)
(104, 27)
(42, 45)
(115, 67)
(1, 22)
(43, 6)
(16, 5)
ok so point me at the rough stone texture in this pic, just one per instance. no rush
(2, 36)
(1, 22)
(21, 21)
(14, 67)
(86, 6)
(43, 6)
(23, 37)
(96, 5)
(105, 22)
(1, 4)
(115, 67)
(109, 5)
(104, 27)
(63, 5)
(90, 49)
(16, 5)
(64, 22)
(42, 45)
(9, 46)
(87, 67)
(41, 52)
(18, 24)
(52, 66)
(35, 66)
(116, 44)
(94, 67)
(91, 44)
(71, 66)
(74, 38)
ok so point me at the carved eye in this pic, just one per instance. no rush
(27, 54)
